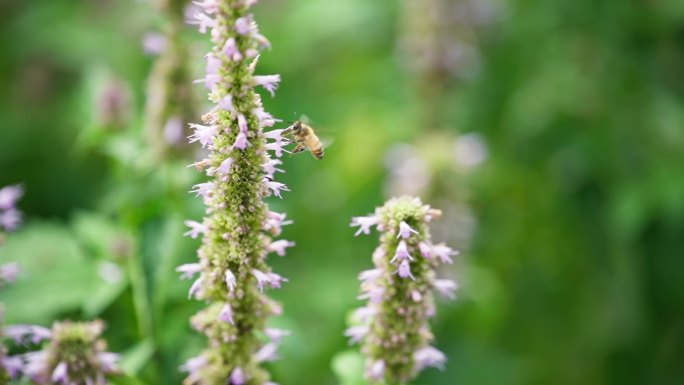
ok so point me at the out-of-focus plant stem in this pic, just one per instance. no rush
(171, 104)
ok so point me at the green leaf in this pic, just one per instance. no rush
(348, 367)
(136, 357)
(56, 277)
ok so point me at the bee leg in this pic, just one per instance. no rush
(298, 148)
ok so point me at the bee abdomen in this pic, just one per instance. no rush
(318, 152)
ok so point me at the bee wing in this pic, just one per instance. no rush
(305, 119)
(327, 141)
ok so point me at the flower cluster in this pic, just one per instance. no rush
(10, 366)
(393, 326)
(10, 217)
(238, 228)
(75, 354)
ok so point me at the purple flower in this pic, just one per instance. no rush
(263, 42)
(402, 253)
(405, 270)
(196, 229)
(59, 375)
(271, 279)
(268, 352)
(189, 270)
(446, 287)
(210, 80)
(276, 335)
(196, 287)
(370, 275)
(10, 219)
(226, 103)
(270, 167)
(279, 246)
(373, 293)
(444, 253)
(203, 21)
(429, 356)
(265, 119)
(225, 166)
(261, 278)
(364, 223)
(192, 366)
(203, 134)
(376, 370)
(13, 365)
(9, 196)
(108, 361)
(209, 6)
(237, 377)
(275, 187)
(356, 333)
(364, 314)
(173, 130)
(240, 141)
(405, 230)
(226, 314)
(280, 141)
(242, 25)
(203, 189)
(242, 123)
(8, 273)
(154, 43)
(24, 333)
(269, 82)
(274, 222)
(276, 135)
(231, 281)
(425, 250)
(36, 362)
(213, 64)
(230, 49)
(275, 280)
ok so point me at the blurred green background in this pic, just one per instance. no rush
(551, 133)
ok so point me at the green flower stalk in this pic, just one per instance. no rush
(393, 327)
(171, 103)
(238, 227)
(76, 353)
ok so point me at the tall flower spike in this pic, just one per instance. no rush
(171, 103)
(75, 355)
(238, 228)
(393, 327)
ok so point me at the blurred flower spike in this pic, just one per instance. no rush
(75, 354)
(393, 327)
(238, 228)
(10, 217)
(8, 273)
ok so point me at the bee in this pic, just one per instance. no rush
(305, 137)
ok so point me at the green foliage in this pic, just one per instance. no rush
(574, 274)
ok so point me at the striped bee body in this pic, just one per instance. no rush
(305, 138)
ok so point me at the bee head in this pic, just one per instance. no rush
(297, 126)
